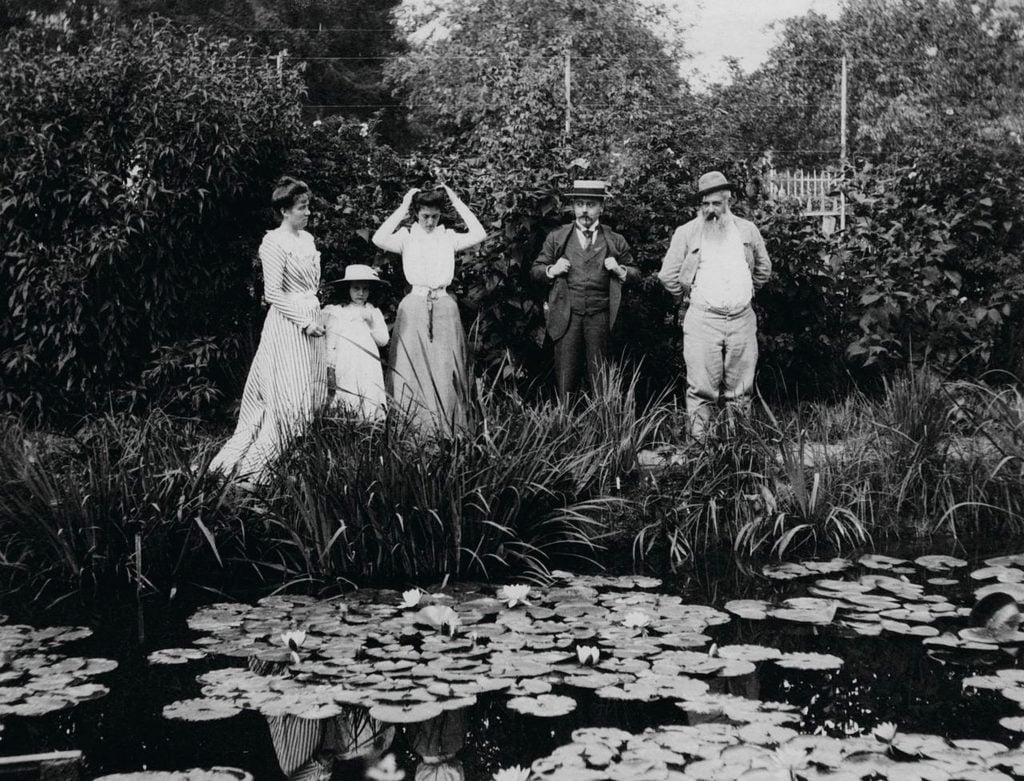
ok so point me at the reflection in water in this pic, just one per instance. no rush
(310, 749)
(437, 741)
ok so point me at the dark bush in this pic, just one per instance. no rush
(135, 164)
(935, 260)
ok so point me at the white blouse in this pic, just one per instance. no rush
(428, 259)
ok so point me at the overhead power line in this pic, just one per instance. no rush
(315, 29)
(599, 57)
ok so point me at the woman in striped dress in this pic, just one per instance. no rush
(427, 376)
(287, 380)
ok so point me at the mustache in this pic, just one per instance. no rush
(715, 225)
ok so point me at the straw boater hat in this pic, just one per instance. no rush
(712, 182)
(588, 188)
(357, 272)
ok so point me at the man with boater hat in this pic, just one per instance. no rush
(719, 260)
(586, 265)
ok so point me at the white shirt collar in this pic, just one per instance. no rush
(593, 228)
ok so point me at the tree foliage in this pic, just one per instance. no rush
(921, 73)
(342, 45)
(134, 167)
(937, 252)
(491, 75)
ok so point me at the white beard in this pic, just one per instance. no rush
(715, 228)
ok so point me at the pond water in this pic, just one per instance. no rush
(846, 668)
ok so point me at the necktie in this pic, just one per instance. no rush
(586, 238)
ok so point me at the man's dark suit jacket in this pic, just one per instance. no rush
(607, 244)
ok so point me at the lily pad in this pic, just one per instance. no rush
(406, 714)
(749, 653)
(544, 705)
(881, 562)
(200, 709)
(1002, 574)
(809, 661)
(937, 563)
(175, 655)
(754, 609)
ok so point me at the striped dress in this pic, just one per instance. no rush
(287, 382)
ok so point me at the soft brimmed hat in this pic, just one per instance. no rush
(588, 188)
(712, 182)
(358, 272)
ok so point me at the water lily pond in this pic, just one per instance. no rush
(867, 668)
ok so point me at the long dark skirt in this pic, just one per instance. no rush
(427, 376)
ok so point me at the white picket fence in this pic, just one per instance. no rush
(817, 191)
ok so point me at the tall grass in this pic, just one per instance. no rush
(750, 488)
(129, 501)
(524, 487)
(924, 457)
(118, 502)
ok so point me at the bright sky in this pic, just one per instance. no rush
(739, 28)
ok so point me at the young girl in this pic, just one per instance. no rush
(355, 331)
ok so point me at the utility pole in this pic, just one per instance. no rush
(568, 89)
(842, 142)
(280, 66)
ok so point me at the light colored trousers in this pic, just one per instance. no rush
(721, 355)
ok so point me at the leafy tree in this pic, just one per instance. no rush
(135, 164)
(342, 45)
(921, 74)
(491, 74)
(936, 252)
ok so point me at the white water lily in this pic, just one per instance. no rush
(411, 598)
(885, 731)
(636, 619)
(588, 654)
(514, 773)
(293, 640)
(790, 758)
(515, 594)
(440, 617)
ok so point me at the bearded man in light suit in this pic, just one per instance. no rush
(719, 260)
(586, 265)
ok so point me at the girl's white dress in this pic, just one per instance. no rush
(352, 349)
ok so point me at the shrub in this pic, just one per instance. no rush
(934, 259)
(134, 165)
